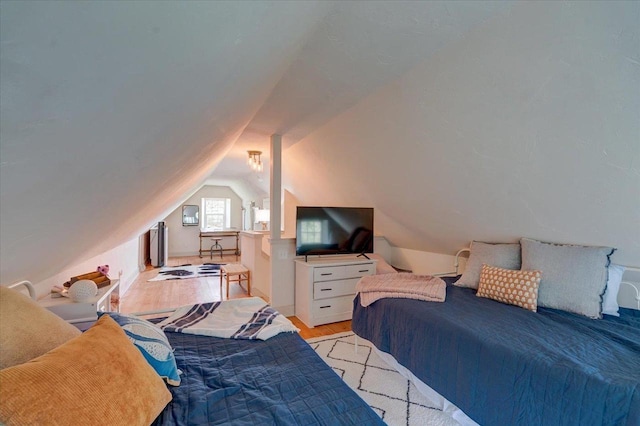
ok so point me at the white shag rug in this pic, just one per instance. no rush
(187, 271)
(394, 398)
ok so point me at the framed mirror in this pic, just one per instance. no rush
(190, 215)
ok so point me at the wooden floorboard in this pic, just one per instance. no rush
(144, 295)
(321, 330)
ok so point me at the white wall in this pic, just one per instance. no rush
(283, 275)
(257, 262)
(246, 189)
(184, 240)
(425, 263)
(122, 261)
(290, 203)
(528, 126)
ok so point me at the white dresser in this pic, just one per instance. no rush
(325, 288)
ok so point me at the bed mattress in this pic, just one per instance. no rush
(280, 381)
(503, 365)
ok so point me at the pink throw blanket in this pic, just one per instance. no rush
(402, 285)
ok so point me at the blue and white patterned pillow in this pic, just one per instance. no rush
(153, 344)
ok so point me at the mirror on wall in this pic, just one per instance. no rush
(190, 215)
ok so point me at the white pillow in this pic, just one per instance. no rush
(610, 298)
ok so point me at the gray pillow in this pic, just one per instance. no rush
(505, 256)
(574, 278)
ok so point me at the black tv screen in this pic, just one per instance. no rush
(334, 230)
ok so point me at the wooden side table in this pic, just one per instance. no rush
(235, 272)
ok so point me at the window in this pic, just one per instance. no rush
(311, 231)
(216, 214)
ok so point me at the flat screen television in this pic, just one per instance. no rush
(334, 230)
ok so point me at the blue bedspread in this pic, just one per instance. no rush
(504, 365)
(280, 381)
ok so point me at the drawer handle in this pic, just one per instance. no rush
(324, 307)
(326, 289)
(324, 274)
(363, 270)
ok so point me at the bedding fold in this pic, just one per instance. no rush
(402, 285)
(246, 319)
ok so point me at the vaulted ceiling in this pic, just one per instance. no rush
(455, 120)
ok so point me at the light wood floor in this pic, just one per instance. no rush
(145, 295)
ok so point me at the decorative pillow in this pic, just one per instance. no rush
(518, 288)
(505, 256)
(96, 378)
(610, 298)
(574, 278)
(27, 330)
(153, 344)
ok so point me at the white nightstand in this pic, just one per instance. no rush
(83, 315)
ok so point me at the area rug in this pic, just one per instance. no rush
(394, 398)
(188, 271)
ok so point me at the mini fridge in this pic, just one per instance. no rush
(159, 244)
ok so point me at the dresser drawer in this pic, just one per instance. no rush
(326, 289)
(335, 306)
(327, 273)
(353, 271)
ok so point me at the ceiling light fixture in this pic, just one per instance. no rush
(254, 160)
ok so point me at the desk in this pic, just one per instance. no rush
(216, 234)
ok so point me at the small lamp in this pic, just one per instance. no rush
(263, 217)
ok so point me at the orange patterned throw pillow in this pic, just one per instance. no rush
(519, 288)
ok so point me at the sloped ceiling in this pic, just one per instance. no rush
(436, 113)
(528, 126)
(357, 47)
(112, 112)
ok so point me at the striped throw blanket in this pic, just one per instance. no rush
(402, 285)
(248, 318)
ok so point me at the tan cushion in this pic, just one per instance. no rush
(519, 288)
(98, 378)
(27, 330)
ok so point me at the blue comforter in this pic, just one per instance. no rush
(504, 365)
(280, 381)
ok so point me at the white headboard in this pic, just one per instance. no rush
(629, 294)
(28, 285)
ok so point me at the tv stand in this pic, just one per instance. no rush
(338, 256)
(325, 288)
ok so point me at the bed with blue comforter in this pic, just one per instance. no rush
(504, 365)
(279, 381)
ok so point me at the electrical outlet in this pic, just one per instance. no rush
(282, 255)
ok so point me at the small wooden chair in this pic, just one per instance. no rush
(235, 272)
